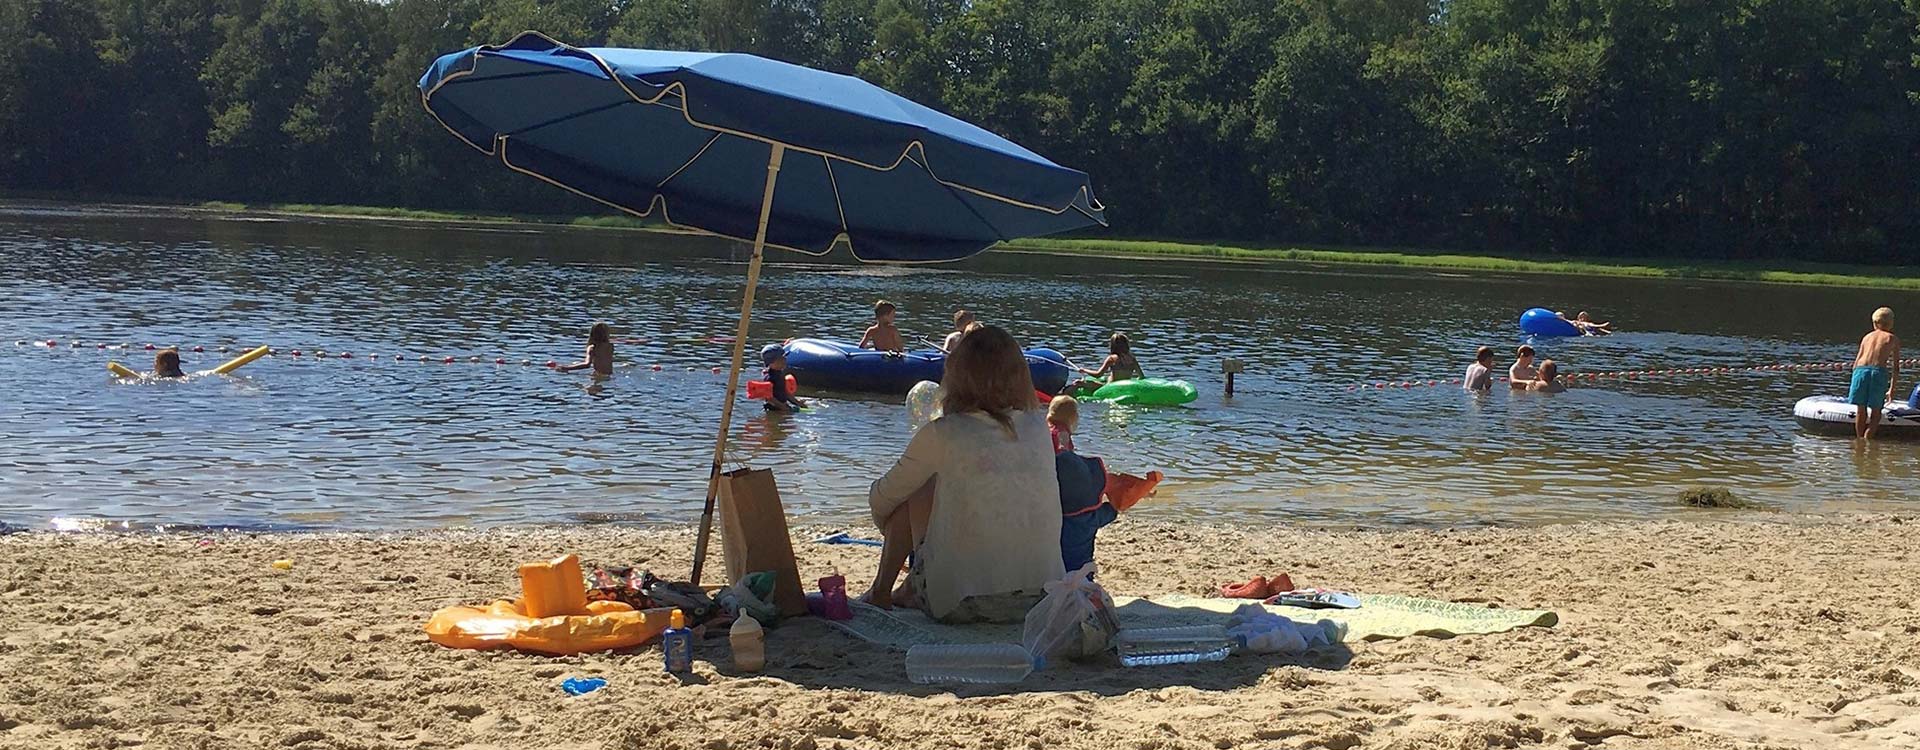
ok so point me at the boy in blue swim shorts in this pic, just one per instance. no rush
(1875, 369)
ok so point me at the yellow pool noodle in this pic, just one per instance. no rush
(237, 362)
(121, 371)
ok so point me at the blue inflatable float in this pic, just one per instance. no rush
(839, 366)
(1543, 322)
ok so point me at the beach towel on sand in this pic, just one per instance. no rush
(1380, 617)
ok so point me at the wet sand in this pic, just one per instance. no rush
(1737, 631)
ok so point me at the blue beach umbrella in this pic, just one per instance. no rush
(753, 149)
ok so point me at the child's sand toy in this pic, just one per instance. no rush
(552, 616)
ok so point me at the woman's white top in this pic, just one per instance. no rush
(995, 527)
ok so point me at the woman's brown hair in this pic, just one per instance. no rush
(600, 333)
(987, 372)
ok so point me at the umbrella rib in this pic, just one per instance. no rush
(506, 76)
(838, 205)
(569, 116)
(1001, 236)
(683, 167)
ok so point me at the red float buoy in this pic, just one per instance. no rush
(656, 368)
(552, 364)
(447, 361)
(149, 346)
(198, 349)
(296, 352)
(499, 360)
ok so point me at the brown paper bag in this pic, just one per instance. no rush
(753, 533)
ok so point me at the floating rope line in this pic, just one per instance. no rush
(303, 355)
(1634, 374)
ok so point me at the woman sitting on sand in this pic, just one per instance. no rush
(974, 497)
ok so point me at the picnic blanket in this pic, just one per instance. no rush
(1380, 617)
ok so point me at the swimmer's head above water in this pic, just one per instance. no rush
(1883, 319)
(166, 364)
(600, 333)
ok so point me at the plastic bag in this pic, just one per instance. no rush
(1074, 620)
(1259, 631)
(749, 596)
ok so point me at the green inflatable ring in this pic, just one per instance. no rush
(1146, 392)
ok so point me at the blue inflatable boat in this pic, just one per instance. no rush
(837, 366)
(1542, 322)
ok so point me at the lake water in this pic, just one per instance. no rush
(366, 443)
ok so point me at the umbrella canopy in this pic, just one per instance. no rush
(683, 136)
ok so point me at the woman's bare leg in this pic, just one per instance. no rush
(904, 531)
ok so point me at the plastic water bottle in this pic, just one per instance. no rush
(982, 663)
(1146, 647)
(749, 644)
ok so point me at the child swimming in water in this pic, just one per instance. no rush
(1548, 380)
(599, 351)
(774, 356)
(882, 334)
(1120, 363)
(166, 364)
(1586, 325)
(962, 320)
(1480, 373)
(1522, 372)
(1876, 368)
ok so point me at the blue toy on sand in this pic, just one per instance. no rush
(839, 366)
(1540, 321)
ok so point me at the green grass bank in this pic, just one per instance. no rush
(1894, 277)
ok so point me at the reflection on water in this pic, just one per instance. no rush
(384, 443)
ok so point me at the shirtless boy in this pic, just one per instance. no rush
(1875, 369)
(882, 335)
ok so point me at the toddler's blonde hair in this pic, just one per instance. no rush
(1064, 411)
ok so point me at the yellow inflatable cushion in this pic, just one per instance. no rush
(607, 625)
(552, 616)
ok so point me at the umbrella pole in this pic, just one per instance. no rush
(739, 357)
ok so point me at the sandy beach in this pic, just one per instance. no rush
(1737, 631)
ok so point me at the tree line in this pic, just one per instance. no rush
(1778, 129)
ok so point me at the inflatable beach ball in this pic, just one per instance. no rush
(923, 403)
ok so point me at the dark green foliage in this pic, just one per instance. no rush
(1742, 129)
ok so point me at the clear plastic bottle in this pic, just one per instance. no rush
(749, 644)
(977, 663)
(1145, 647)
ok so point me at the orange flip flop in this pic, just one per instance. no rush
(1126, 490)
(1254, 589)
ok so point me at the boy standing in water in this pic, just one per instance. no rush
(882, 335)
(774, 356)
(1522, 372)
(1875, 368)
(1480, 373)
(961, 320)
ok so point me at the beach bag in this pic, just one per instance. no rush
(753, 535)
(1074, 620)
